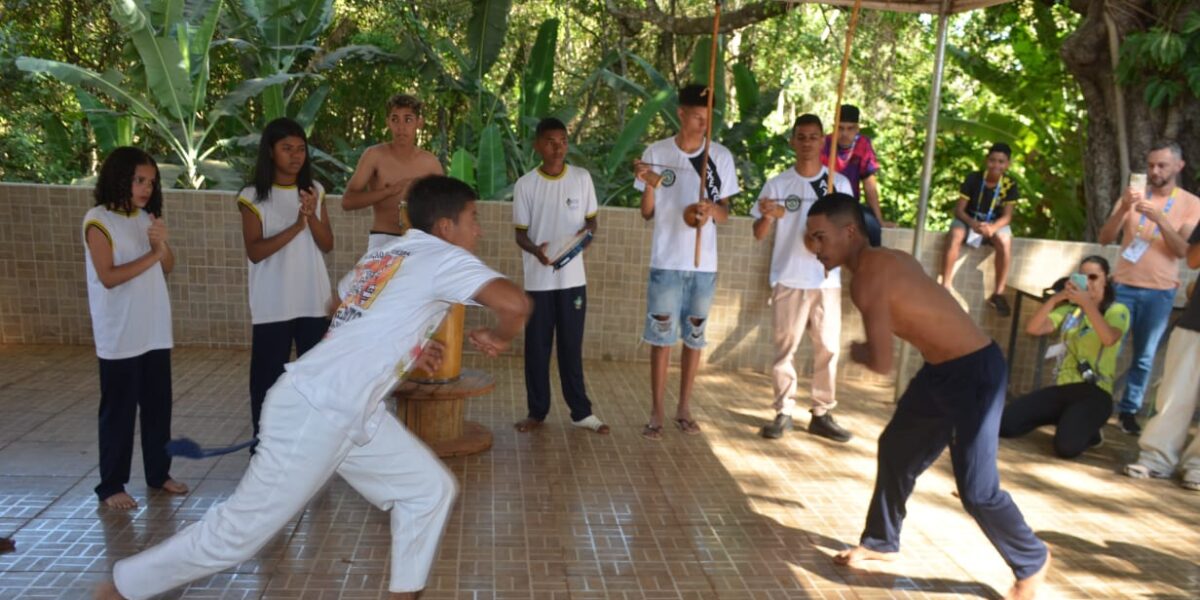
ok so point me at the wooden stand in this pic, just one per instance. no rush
(433, 405)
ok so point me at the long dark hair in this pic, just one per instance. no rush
(1110, 293)
(114, 186)
(264, 169)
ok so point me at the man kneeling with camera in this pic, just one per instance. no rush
(1090, 325)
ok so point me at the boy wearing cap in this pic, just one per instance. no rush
(857, 161)
(983, 214)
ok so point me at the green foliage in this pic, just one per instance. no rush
(1165, 59)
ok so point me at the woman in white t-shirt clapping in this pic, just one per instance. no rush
(285, 226)
(127, 259)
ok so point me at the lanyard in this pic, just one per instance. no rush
(1166, 209)
(995, 196)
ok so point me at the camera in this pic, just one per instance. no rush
(1086, 372)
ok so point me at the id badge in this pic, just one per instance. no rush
(1056, 351)
(1134, 251)
(974, 239)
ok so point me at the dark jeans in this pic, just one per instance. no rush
(957, 404)
(125, 386)
(561, 312)
(874, 230)
(270, 349)
(1077, 411)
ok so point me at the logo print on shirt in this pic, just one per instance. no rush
(792, 203)
(573, 203)
(668, 178)
(370, 277)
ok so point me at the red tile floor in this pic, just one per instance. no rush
(566, 514)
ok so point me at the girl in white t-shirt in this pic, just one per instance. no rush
(285, 225)
(127, 259)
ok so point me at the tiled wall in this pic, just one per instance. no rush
(43, 297)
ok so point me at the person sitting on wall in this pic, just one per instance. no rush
(983, 213)
(1091, 325)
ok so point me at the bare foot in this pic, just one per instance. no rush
(525, 425)
(107, 591)
(120, 501)
(1026, 589)
(171, 486)
(860, 554)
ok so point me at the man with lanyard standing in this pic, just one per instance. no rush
(983, 214)
(856, 160)
(1153, 224)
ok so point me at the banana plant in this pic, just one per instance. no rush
(168, 95)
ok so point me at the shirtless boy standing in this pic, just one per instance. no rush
(955, 400)
(385, 171)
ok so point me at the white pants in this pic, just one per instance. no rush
(298, 452)
(819, 312)
(1166, 434)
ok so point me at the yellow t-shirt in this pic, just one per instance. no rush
(1083, 344)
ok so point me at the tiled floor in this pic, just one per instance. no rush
(562, 513)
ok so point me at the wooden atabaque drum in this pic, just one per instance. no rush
(433, 405)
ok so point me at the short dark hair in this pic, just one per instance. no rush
(808, 119)
(264, 167)
(1167, 144)
(848, 113)
(839, 207)
(1002, 148)
(547, 125)
(693, 94)
(405, 101)
(114, 186)
(435, 197)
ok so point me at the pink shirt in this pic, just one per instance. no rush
(1158, 268)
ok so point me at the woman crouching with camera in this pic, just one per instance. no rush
(1089, 326)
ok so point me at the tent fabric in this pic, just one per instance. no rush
(909, 6)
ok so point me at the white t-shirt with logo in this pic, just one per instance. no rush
(550, 210)
(293, 282)
(674, 242)
(792, 264)
(392, 302)
(133, 318)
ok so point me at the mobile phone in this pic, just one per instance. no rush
(1080, 280)
(1137, 181)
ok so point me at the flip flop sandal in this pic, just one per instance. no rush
(652, 432)
(688, 426)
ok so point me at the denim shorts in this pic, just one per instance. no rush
(680, 296)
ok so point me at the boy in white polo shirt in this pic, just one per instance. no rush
(680, 292)
(803, 296)
(553, 203)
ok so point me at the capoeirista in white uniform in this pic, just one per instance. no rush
(326, 416)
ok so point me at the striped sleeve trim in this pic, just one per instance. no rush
(102, 228)
(242, 200)
(522, 227)
(591, 215)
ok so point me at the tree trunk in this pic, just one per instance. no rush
(1086, 56)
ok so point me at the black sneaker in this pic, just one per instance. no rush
(1129, 423)
(825, 426)
(776, 429)
(1000, 304)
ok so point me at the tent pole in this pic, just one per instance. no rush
(935, 105)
